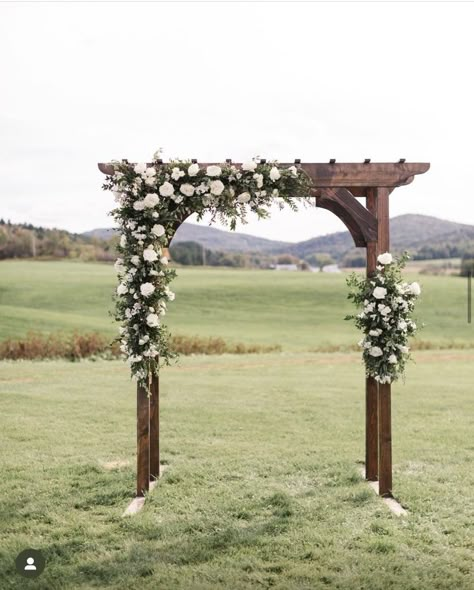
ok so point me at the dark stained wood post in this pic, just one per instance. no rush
(371, 386)
(143, 441)
(155, 428)
(384, 417)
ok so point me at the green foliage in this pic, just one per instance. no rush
(387, 304)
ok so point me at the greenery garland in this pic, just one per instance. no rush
(152, 200)
(386, 320)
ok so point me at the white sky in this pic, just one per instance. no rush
(89, 82)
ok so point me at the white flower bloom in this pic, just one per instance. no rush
(249, 166)
(150, 171)
(213, 171)
(158, 230)
(122, 289)
(187, 189)
(415, 289)
(171, 296)
(193, 170)
(123, 240)
(164, 260)
(153, 320)
(149, 254)
(119, 267)
(166, 189)
(379, 292)
(384, 309)
(177, 173)
(177, 199)
(139, 205)
(243, 198)
(150, 180)
(139, 168)
(275, 174)
(392, 359)
(151, 200)
(375, 351)
(376, 332)
(135, 260)
(402, 325)
(217, 187)
(147, 289)
(259, 179)
(385, 258)
(404, 349)
(294, 170)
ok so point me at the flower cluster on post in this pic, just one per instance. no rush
(152, 200)
(386, 318)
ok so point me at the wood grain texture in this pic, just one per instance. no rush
(379, 174)
(143, 441)
(385, 440)
(360, 222)
(371, 386)
(155, 428)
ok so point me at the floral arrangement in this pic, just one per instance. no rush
(152, 201)
(386, 318)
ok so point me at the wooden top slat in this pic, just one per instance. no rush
(344, 174)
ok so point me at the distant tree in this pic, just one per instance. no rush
(190, 253)
(354, 260)
(319, 259)
(287, 259)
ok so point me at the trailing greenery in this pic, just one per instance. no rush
(387, 303)
(152, 201)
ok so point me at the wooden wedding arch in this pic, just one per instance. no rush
(335, 187)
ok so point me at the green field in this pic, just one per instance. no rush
(263, 452)
(262, 490)
(299, 311)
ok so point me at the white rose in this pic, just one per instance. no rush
(384, 309)
(243, 198)
(259, 179)
(415, 289)
(213, 171)
(392, 359)
(193, 170)
(375, 351)
(122, 289)
(150, 171)
(153, 320)
(164, 260)
(249, 166)
(176, 174)
(151, 200)
(146, 289)
(385, 258)
(139, 205)
(123, 240)
(135, 260)
(404, 349)
(375, 332)
(166, 189)
(275, 173)
(149, 254)
(119, 267)
(158, 230)
(379, 292)
(139, 168)
(402, 325)
(217, 187)
(294, 170)
(187, 189)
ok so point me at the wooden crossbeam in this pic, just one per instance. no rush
(376, 174)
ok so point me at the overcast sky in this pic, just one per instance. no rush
(89, 82)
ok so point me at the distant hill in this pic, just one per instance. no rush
(422, 235)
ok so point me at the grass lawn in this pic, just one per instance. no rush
(299, 311)
(262, 488)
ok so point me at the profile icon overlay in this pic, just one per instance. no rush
(30, 563)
